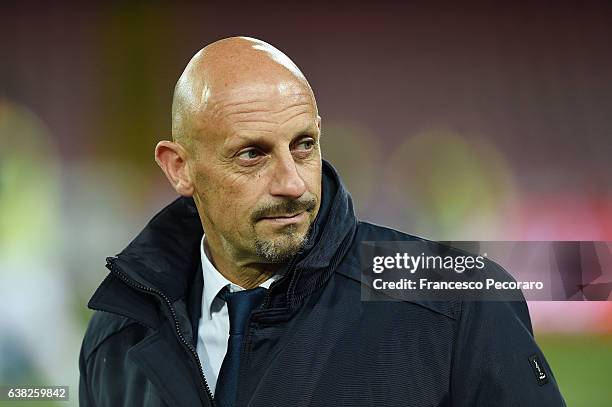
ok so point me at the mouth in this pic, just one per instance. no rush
(285, 219)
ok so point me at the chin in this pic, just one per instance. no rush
(280, 249)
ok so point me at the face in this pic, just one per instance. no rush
(257, 171)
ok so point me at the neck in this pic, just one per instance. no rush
(246, 274)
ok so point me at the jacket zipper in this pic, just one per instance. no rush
(114, 268)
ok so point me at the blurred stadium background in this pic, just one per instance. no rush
(447, 121)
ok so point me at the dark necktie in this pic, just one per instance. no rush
(239, 305)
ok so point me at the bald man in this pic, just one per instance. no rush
(246, 290)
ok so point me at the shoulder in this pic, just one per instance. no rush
(371, 231)
(350, 267)
(101, 327)
(456, 308)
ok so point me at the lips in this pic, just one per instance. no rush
(281, 216)
(285, 219)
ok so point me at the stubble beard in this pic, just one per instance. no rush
(281, 249)
(290, 240)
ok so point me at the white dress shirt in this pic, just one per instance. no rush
(213, 328)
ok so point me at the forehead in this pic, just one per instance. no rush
(225, 106)
(255, 110)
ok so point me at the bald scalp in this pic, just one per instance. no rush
(223, 67)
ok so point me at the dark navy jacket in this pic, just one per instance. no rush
(313, 342)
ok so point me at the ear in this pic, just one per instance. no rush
(172, 158)
(319, 123)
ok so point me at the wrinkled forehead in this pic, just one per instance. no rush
(225, 107)
(256, 97)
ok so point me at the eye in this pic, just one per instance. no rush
(305, 144)
(250, 154)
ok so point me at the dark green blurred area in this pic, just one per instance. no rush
(582, 365)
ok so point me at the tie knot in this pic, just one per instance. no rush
(239, 306)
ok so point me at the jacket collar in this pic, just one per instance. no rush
(164, 257)
(329, 240)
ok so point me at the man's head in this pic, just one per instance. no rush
(245, 131)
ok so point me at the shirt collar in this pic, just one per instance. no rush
(214, 281)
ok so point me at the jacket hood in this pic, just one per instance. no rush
(166, 253)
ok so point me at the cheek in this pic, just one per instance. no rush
(312, 176)
(234, 197)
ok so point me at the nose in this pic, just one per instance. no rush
(287, 181)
